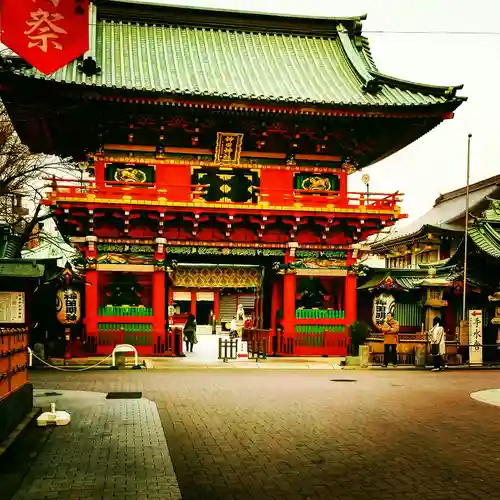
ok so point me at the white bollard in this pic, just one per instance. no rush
(53, 417)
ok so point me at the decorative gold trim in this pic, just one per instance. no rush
(198, 163)
(321, 272)
(254, 207)
(129, 268)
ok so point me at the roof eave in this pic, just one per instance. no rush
(448, 92)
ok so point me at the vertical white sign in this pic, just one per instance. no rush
(475, 336)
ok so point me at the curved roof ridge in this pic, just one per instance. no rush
(441, 90)
(237, 12)
(354, 57)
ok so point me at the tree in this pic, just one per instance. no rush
(23, 181)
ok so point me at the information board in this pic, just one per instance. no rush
(12, 307)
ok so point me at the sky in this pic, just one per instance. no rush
(436, 163)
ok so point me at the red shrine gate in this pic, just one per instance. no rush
(232, 150)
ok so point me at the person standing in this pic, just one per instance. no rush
(190, 333)
(390, 329)
(437, 339)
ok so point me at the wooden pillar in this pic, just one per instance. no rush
(261, 311)
(275, 304)
(193, 304)
(159, 302)
(289, 293)
(91, 301)
(256, 307)
(350, 295)
(217, 305)
(91, 291)
(170, 295)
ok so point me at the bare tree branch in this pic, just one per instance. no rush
(23, 179)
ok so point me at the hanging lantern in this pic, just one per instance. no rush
(68, 306)
(48, 34)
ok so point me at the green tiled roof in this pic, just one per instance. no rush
(279, 67)
(486, 239)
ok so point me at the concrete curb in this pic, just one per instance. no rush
(4, 446)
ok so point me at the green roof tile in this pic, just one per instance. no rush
(279, 67)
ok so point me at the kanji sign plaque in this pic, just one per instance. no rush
(475, 336)
(228, 148)
(48, 34)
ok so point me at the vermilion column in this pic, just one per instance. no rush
(91, 301)
(193, 304)
(350, 296)
(289, 292)
(91, 291)
(217, 305)
(159, 302)
(170, 296)
(275, 304)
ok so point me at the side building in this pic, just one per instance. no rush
(221, 144)
(418, 289)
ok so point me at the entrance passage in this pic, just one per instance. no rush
(203, 310)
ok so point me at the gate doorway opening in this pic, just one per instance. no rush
(203, 310)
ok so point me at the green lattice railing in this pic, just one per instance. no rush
(125, 311)
(319, 314)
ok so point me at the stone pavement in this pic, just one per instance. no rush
(286, 435)
(111, 448)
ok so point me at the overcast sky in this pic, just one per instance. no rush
(437, 162)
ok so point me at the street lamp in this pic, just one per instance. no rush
(464, 304)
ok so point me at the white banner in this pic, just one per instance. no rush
(475, 336)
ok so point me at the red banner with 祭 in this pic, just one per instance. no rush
(48, 34)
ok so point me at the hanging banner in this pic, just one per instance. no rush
(48, 34)
(475, 337)
(68, 306)
(383, 304)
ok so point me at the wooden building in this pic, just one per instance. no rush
(437, 234)
(416, 295)
(221, 145)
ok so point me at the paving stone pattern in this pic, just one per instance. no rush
(296, 435)
(111, 449)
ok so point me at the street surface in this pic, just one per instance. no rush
(290, 435)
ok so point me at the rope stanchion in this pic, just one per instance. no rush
(33, 355)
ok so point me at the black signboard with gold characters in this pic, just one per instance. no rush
(228, 148)
(316, 183)
(130, 173)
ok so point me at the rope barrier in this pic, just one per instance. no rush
(31, 353)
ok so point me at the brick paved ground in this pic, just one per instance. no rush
(112, 448)
(285, 435)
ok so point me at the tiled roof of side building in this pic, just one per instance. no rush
(256, 57)
(448, 208)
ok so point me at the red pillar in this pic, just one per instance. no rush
(193, 304)
(159, 303)
(289, 292)
(217, 305)
(350, 295)
(170, 295)
(91, 302)
(275, 304)
(91, 292)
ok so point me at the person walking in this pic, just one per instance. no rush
(437, 339)
(390, 329)
(190, 333)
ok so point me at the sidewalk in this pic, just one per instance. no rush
(111, 449)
